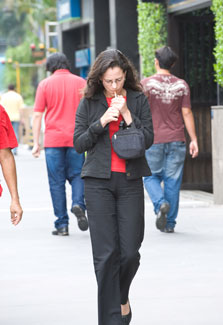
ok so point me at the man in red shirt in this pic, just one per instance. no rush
(58, 97)
(7, 142)
(169, 99)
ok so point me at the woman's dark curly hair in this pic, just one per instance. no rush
(110, 59)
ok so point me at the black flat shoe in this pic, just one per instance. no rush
(61, 231)
(126, 319)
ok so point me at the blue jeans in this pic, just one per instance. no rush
(64, 163)
(15, 125)
(166, 161)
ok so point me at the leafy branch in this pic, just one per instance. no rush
(152, 24)
(217, 8)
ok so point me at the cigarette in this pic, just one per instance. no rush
(115, 94)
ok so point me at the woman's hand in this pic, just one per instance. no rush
(110, 115)
(119, 102)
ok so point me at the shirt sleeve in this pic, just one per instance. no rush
(40, 100)
(186, 97)
(145, 88)
(7, 135)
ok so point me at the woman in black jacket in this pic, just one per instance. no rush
(113, 186)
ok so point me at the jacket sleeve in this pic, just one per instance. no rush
(144, 121)
(85, 135)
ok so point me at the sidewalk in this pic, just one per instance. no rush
(47, 280)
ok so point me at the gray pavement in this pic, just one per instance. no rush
(47, 280)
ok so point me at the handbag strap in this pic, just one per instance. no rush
(123, 125)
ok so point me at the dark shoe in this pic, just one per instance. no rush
(168, 229)
(161, 216)
(126, 319)
(61, 231)
(81, 218)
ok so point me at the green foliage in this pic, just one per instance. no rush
(37, 12)
(22, 54)
(22, 22)
(11, 27)
(152, 23)
(217, 8)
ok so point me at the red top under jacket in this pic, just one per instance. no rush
(117, 164)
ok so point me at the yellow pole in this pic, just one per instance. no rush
(17, 69)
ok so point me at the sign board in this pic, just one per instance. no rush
(38, 54)
(82, 58)
(180, 5)
(67, 9)
(172, 2)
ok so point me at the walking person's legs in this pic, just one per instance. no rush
(101, 207)
(116, 221)
(173, 173)
(155, 156)
(130, 214)
(55, 161)
(74, 163)
(15, 125)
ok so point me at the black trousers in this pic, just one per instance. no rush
(115, 210)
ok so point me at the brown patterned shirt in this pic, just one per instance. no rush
(167, 96)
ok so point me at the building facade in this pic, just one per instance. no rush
(191, 34)
(88, 27)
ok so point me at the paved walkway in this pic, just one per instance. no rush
(47, 280)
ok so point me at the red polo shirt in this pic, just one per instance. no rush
(59, 95)
(7, 135)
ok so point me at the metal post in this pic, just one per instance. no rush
(18, 84)
(18, 67)
(113, 31)
(217, 152)
(218, 94)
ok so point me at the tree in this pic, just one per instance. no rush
(152, 23)
(217, 8)
(22, 22)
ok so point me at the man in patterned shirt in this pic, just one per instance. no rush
(169, 99)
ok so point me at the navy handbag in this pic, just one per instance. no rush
(128, 142)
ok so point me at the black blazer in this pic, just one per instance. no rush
(90, 136)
